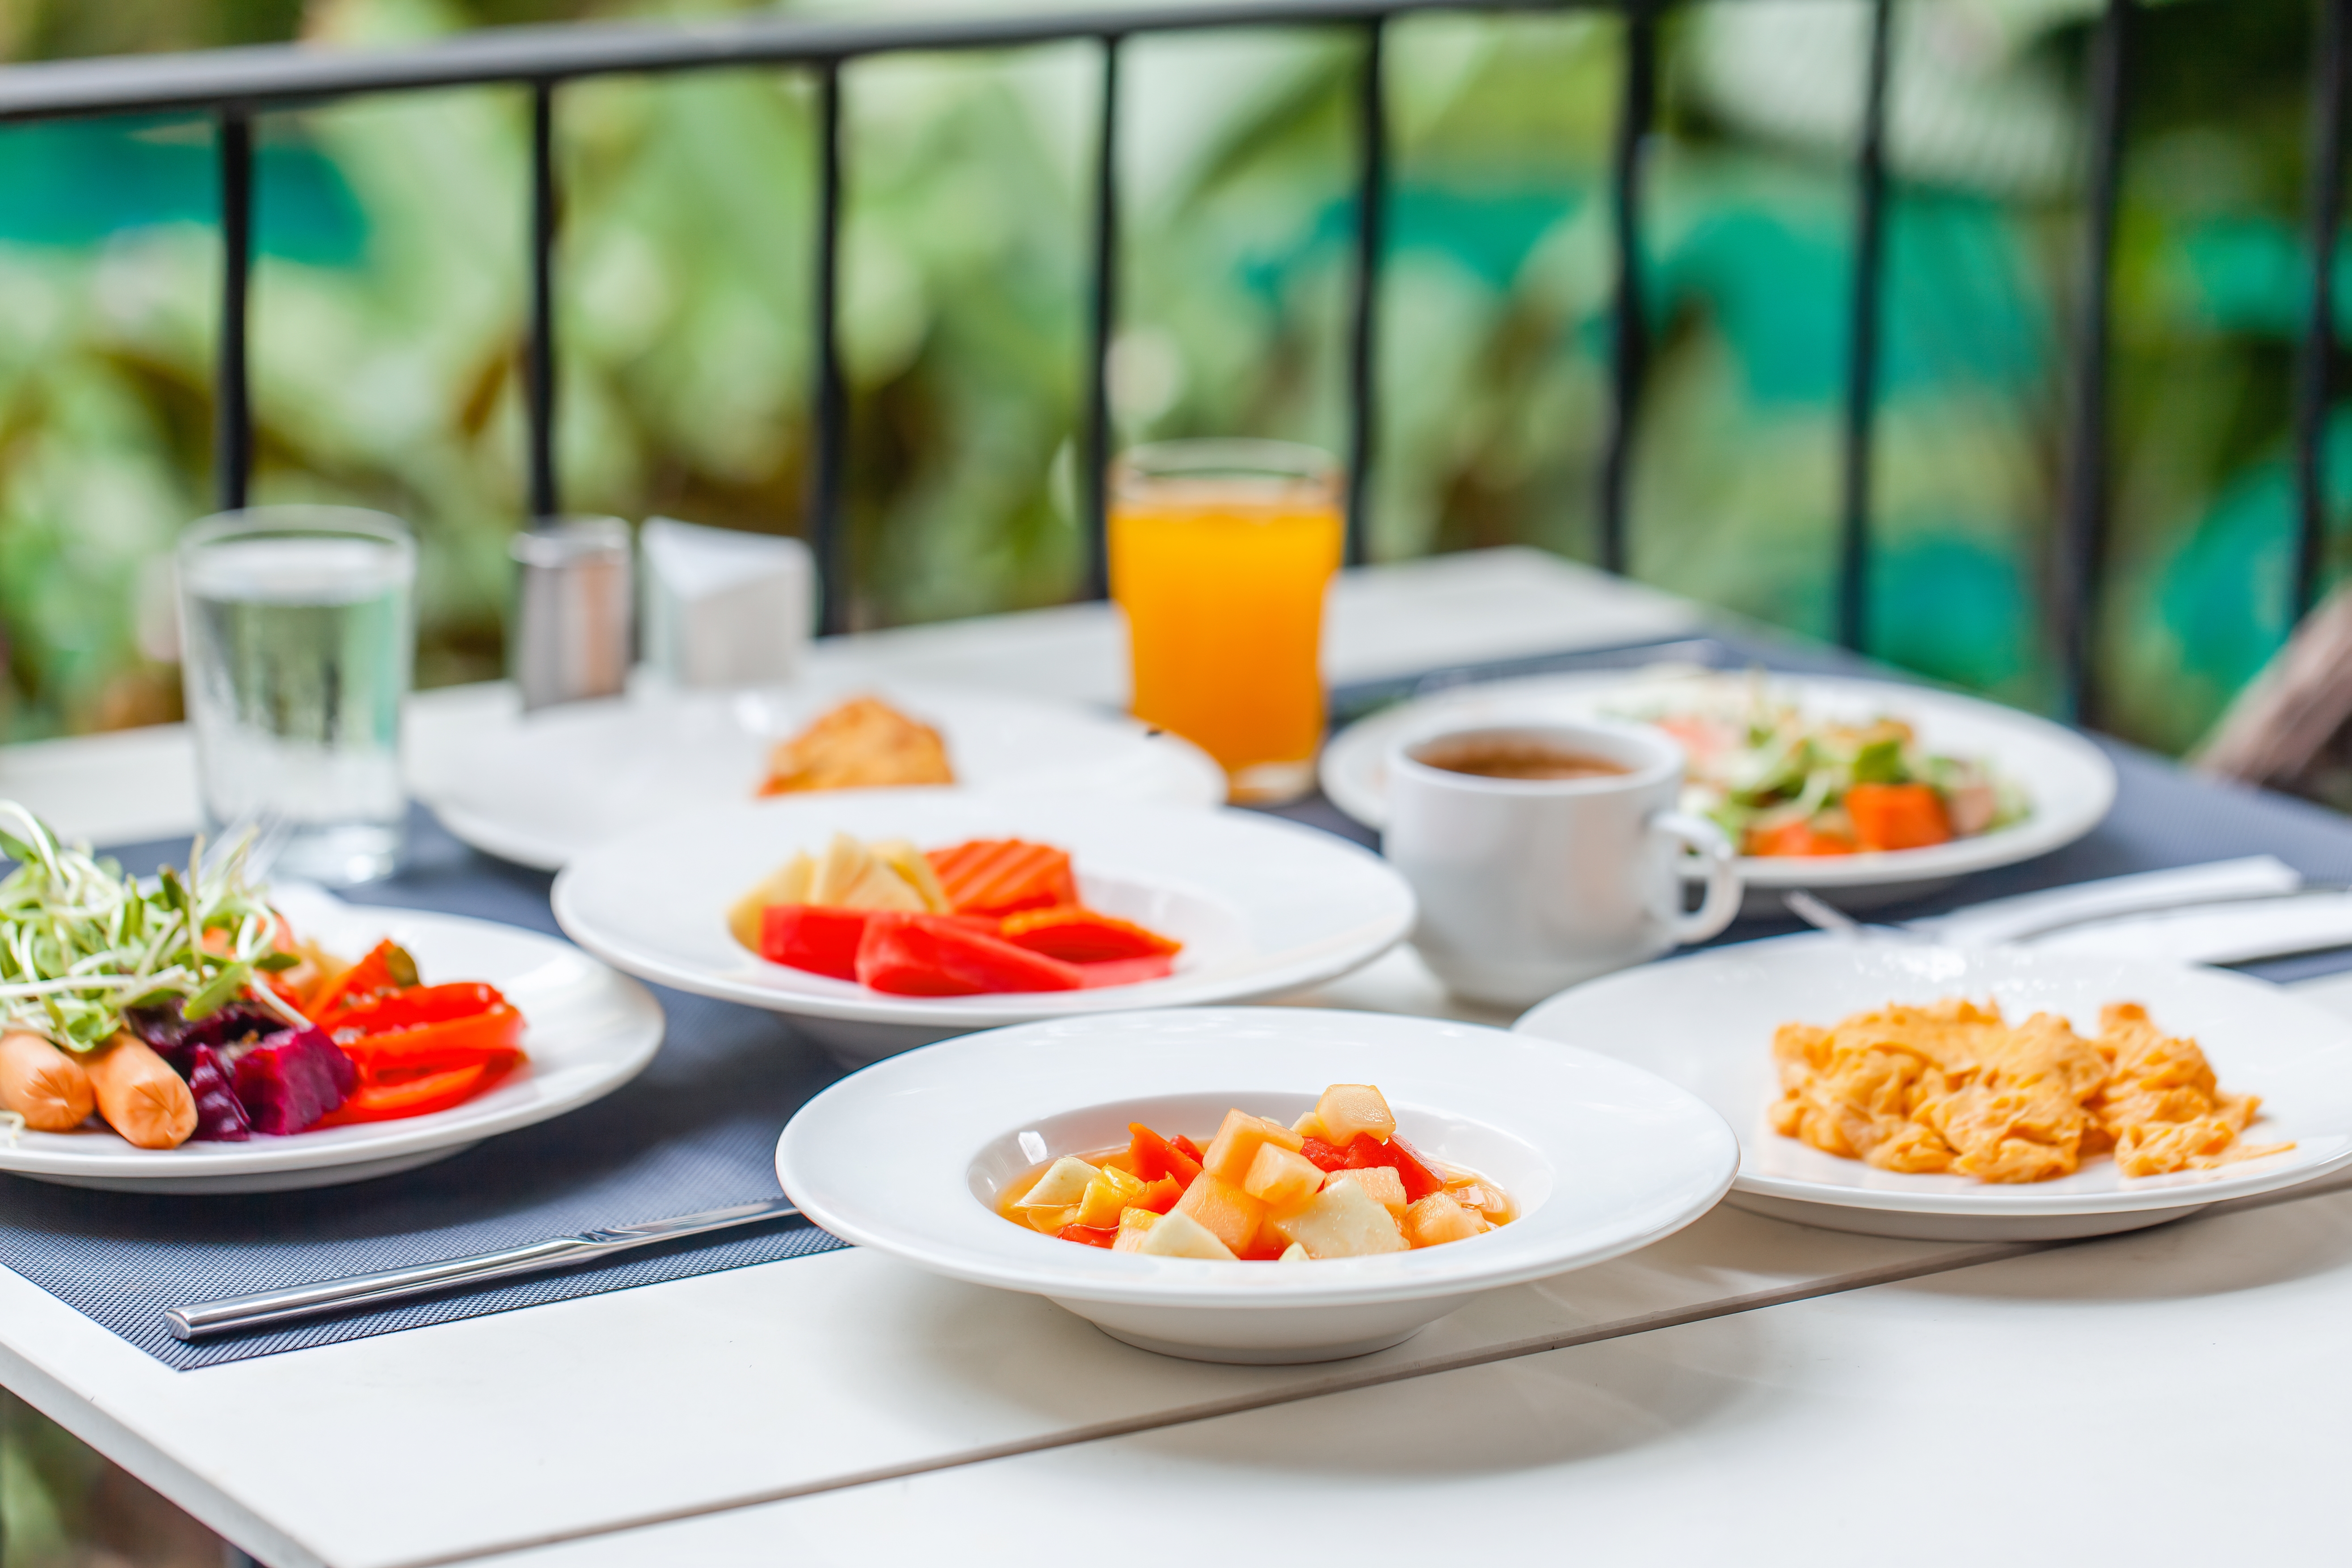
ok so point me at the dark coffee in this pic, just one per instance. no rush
(1517, 760)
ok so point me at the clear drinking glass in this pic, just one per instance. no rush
(1221, 552)
(298, 634)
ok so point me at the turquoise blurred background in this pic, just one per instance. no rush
(388, 310)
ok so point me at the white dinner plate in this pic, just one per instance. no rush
(559, 782)
(2068, 782)
(1262, 905)
(909, 1157)
(588, 1032)
(1705, 1022)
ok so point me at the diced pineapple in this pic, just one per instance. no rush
(1181, 1236)
(788, 884)
(877, 887)
(1047, 1219)
(1294, 1253)
(1228, 1214)
(1111, 1191)
(1437, 1219)
(1310, 1125)
(1343, 1220)
(1237, 1142)
(844, 861)
(1382, 1181)
(1281, 1180)
(911, 864)
(1350, 1110)
(1064, 1183)
(1132, 1224)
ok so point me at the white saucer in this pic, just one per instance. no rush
(1262, 905)
(907, 1157)
(1705, 1022)
(2069, 781)
(589, 1032)
(557, 783)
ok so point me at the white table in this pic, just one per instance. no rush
(844, 1408)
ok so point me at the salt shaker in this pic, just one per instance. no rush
(572, 609)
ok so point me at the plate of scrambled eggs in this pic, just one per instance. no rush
(1899, 1089)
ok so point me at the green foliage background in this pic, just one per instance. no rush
(389, 300)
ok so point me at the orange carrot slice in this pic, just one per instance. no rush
(1897, 816)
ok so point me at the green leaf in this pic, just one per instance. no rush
(1880, 762)
(276, 962)
(218, 992)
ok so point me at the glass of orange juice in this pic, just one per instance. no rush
(1220, 555)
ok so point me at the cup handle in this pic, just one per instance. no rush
(1721, 905)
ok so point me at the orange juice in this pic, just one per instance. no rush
(1220, 555)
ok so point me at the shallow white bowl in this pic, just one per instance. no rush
(1705, 1022)
(554, 784)
(909, 1157)
(589, 1031)
(1262, 905)
(2069, 781)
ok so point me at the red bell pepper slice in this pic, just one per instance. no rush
(1091, 1235)
(1078, 935)
(1324, 1156)
(1190, 1149)
(1161, 1196)
(386, 968)
(419, 1005)
(1156, 1157)
(1124, 971)
(931, 955)
(450, 1043)
(416, 1096)
(1399, 1156)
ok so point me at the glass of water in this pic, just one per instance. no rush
(297, 637)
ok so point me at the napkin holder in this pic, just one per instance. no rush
(724, 609)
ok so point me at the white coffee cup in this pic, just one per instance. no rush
(1530, 885)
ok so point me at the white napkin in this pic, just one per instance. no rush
(723, 607)
(2218, 933)
(2028, 915)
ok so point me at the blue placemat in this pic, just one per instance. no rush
(698, 1130)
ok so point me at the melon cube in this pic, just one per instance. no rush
(1237, 1142)
(1437, 1219)
(1110, 1191)
(1349, 1110)
(1281, 1180)
(1310, 1125)
(1294, 1253)
(1132, 1224)
(1382, 1181)
(1179, 1234)
(1228, 1214)
(1064, 1183)
(1343, 1220)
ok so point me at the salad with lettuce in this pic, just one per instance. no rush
(1780, 781)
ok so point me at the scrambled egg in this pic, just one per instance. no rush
(1952, 1088)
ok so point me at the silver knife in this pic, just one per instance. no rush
(206, 1319)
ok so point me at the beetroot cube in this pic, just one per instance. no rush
(292, 1079)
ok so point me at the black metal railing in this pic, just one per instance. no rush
(236, 84)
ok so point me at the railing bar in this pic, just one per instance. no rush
(1095, 448)
(2314, 377)
(2082, 529)
(1372, 182)
(1637, 111)
(1862, 346)
(539, 367)
(828, 405)
(232, 391)
(286, 73)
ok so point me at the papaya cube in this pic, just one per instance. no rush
(1132, 1224)
(1294, 1253)
(1281, 1180)
(1437, 1219)
(1179, 1234)
(1237, 1142)
(1064, 1183)
(1382, 1181)
(1343, 1220)
(1110, 1191)
(1226, 1212)
(1349, 1109)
